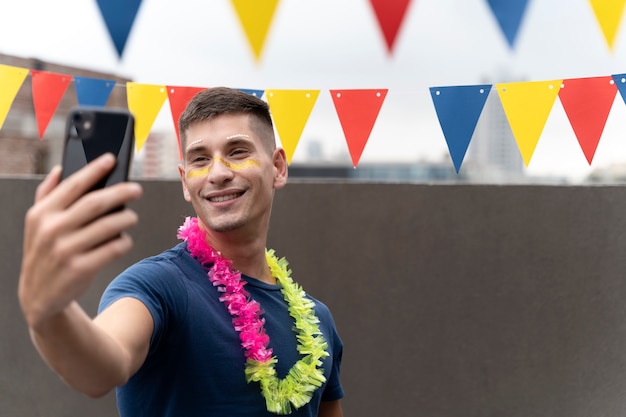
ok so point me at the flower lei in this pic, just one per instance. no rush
(306, 375)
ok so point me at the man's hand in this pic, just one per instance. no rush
(69, 235)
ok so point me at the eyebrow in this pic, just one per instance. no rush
(229, 137)
(237, 135)
(193, 143)
(231, 140)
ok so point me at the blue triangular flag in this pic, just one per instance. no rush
(509, 14)
(256, 93)
(458, 110)
(93, 91)
(119, 16)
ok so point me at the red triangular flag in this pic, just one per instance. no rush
(587, 103)
(179, 97)
(357, 111)
(390, 14)
(48, 90)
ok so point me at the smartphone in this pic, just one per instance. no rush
(93, 131)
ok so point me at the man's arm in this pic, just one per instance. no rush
(330, 409)
(94, 356)
(70, 234)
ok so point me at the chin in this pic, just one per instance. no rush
(226, 225)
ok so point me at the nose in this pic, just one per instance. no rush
(220, 171)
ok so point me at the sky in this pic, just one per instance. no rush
(330, 44)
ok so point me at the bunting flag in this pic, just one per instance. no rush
(390, 15)
(527, 106)
(48, 90)
(458, 110)
(620, 83)
(11, 80)
(93, 91)
(357, 111)
(144, 102)
(291, 110)
(178, 97)
(509, 15)
(256, 93)
(119, 17)
(256, 18)
(587, 103)
(609, 15)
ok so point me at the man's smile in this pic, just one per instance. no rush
(226, 197)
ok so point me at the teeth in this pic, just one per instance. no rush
(223, 198)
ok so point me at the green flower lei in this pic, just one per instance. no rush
(306, 375)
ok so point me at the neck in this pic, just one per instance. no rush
(246, 253)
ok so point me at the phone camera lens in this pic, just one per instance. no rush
(77, 117)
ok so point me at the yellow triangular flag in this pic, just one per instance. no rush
(256, 18)
(11, 80)
(527, 106)
(291, 110)
(609, 15)
(144, 102)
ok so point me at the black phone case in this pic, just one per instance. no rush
(91, 132)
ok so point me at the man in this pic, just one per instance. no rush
(212, 327)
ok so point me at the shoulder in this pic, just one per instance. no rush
(174, 261)
(320, 307)
(161, 276)
(325, 317)
(175, 255)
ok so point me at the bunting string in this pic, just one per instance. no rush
(290, 108)
(527, 106)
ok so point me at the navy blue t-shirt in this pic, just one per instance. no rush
(195, 364)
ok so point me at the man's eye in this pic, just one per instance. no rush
(199, 159)
(239, 152)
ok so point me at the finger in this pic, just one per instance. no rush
(44, 225)
(79, 183)
(32, 217)
(48, 184)
(98, 203)
(89, 263)
(103, 230)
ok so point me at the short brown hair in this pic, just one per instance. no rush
(215, 101)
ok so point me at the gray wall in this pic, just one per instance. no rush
(451, 300)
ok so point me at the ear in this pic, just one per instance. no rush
(280, 168)
(183, 178)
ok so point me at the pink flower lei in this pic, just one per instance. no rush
(246, 312)
(306, 375)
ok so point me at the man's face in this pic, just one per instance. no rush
(228, 176)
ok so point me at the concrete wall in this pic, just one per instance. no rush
(451, 300)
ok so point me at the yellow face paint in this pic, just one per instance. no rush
(198, 172)
(235, 166)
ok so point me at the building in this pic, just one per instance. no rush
(493, 155)
(392, 172)
(158, 158)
